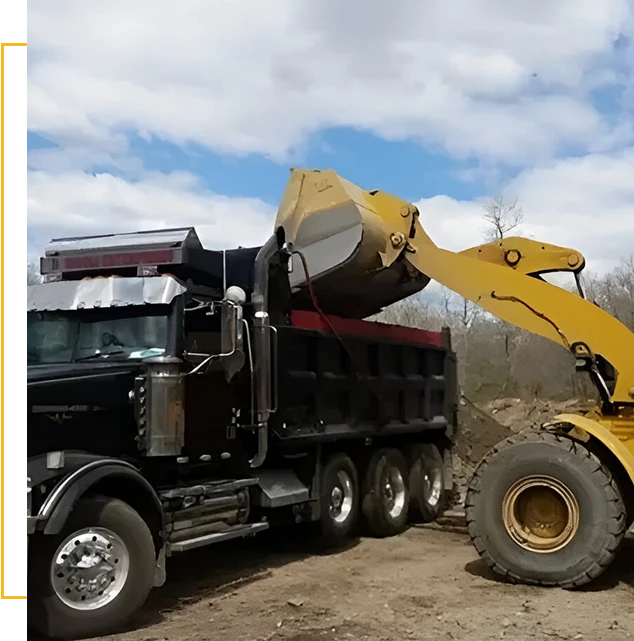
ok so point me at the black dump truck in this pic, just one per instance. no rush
(179, 397)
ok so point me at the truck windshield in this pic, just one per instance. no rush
(94, 334)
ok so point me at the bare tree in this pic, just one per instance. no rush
(624, 281)
(459, 311)
(33, 276)
(502, 217)
(614, 291)
(411, 312)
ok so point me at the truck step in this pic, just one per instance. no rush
(280, 488)
(236, 532)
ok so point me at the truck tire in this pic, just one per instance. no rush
(339, 499)
(385, 501)
(543, 510)
(427, 494)
(68, 601)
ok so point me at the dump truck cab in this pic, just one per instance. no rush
(109, 333)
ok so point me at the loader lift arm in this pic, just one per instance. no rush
(504, 279)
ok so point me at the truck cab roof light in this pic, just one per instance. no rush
(119, 251)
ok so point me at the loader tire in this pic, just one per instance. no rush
(543, 510)
(114, 545)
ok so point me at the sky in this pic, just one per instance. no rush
(151, 114)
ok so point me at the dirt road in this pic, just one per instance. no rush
(422, 585)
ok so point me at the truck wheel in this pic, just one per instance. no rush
(543, 510)
(90, 578)
(339, 499)
(426, 482)
(385, 494)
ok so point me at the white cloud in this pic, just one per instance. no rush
(73, 203)
(499, 80)
(585, 203)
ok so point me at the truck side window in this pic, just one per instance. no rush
(202, 332)
(51, 340)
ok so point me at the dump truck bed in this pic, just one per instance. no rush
(369, 378)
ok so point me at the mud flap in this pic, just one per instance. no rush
(448, 465)
(160, 574)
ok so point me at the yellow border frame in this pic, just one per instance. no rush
(2, 46)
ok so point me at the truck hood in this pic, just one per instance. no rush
(81, 406)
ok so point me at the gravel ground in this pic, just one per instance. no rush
(426, 584)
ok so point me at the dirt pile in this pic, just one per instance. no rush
(483, 425)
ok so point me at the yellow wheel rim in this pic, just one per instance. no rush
(540, 514)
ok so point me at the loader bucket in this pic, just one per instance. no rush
(353, 242)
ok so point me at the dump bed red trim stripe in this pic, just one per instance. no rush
(368, 329)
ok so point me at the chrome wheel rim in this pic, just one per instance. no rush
(341, 498)
(541, 514)
(432, 483)
(90, 568)
(393, 491)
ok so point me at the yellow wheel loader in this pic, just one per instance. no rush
(546, 508)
